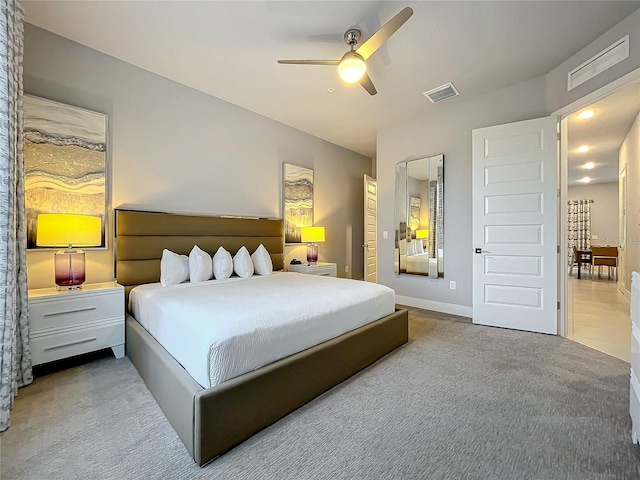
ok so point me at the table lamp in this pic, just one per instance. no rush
(422, 233)
(311, 236)
(68, 230)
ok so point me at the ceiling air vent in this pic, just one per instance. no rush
(600, 62)
(441, 93)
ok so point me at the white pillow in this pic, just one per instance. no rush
(174, 268)
(222, 264)
(419, 246)
(200, 265)
(411, 248)
(262, 261)
(242, 264)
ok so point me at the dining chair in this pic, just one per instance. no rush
(576, 260)
(605, 256)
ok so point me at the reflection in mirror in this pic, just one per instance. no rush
(419, 235)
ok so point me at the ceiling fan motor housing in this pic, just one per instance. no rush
(352, 37)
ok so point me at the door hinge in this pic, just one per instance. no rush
(558, 193)
(558, 248)
(558, 305)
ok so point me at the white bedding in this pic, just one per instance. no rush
(220, 329)
(418, 263)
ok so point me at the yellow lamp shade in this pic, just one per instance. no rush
(422, 233)
(312, 234)
(63, 229)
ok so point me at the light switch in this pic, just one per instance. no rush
(385, 234)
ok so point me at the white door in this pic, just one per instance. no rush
(370, 229)
(515, 226)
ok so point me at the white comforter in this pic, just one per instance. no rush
(220, 329)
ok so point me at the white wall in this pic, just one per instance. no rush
(176, 149)
(604, 210)
(629, 159)
(445, 128)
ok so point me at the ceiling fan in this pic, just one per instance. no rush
(352, 67)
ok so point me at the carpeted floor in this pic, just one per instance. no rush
(458, 402)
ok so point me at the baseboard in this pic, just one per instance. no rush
(625, 293)
(442, 307)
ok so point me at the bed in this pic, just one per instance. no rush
(210, 421)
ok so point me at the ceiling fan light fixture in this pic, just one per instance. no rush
(352, 67)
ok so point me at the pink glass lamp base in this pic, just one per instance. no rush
(70, 272)
(312, 254)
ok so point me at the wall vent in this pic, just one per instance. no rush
(600, 62)
(441, 93)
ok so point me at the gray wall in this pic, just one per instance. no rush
(176, 149)
(446, 129)
(604, 210)
(556, 80)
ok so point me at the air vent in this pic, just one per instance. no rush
(604, 60)
(441, 93)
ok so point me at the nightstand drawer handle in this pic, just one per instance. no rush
(69, 311)
(70, 343)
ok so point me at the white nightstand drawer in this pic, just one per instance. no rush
(69, 310)
(47, 348)
(64, 324)
(322, 269)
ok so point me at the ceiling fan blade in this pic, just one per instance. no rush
(367, 84)
(309, 62)
(377, 39)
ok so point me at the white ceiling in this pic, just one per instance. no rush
(229, 49)
(603, 134)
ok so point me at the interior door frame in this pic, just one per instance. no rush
(562, 114)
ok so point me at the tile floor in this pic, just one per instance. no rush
(599, 316)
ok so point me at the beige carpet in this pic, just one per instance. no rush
(458, 402)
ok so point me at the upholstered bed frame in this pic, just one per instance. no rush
(213, 420)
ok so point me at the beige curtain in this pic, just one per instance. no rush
(15, 354)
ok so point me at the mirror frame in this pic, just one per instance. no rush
(411, 209)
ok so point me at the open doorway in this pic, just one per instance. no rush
(601, 148)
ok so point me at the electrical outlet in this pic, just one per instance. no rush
(452, 285)
(346, 269)
(385, 234)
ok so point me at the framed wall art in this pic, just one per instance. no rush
(414, 215)
(297, 201)
(65, 162)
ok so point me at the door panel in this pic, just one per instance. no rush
(370, 229)
(514, 226)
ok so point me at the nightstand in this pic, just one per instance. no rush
(320, 268)
(68, 323)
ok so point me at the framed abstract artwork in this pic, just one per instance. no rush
(65, 162)
(297, 201)
(414, 215)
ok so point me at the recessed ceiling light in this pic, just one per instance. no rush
(330, 90)
(585, 180)
(583, 149)
(589, 165)
(586, 114)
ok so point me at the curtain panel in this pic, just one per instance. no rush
(578, 226)
(15, 353)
